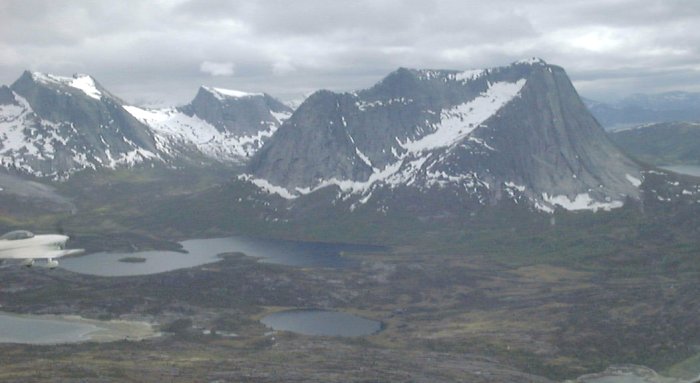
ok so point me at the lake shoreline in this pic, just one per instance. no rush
(94, 330)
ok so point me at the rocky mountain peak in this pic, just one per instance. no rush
(222, 94)
(59, 125)
(513, 132)
(236, 112)
(77, 84)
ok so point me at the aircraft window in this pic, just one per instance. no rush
(17, 234)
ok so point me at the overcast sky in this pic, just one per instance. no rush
(159, 52)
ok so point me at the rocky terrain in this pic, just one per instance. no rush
(518, 133)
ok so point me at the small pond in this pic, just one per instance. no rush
(203, 251)
(35, 330)
(53, 329)
(321, 322)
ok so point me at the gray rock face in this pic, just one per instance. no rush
(519, 131)
(547, 141)
(235, 112)
(59, 125)
(6, 96)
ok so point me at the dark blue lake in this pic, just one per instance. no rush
(203, 251)
(321, 322)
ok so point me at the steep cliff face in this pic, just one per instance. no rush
(518, 132)
(236, 112)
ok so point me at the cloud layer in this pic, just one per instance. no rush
(217, 69)
(159, 52)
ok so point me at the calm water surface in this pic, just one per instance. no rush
(202, 251)
(692, 170)
(28, 330)
(321, 322)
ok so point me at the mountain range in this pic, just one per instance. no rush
(53, 126)
(435, 141)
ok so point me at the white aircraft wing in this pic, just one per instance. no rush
(37, 253)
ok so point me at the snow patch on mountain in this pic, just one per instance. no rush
(28, 143)
(469, 75)
(173, 129)
(582, 201)
(20, 135)
(458, 122)
(281, 116)
(364, 105)
(633, 180)
(531, 61)
(455, 125)
(81, 82)
(267, 187)
(222, 94)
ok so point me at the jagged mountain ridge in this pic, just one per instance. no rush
(221, 124)
(515, 132)
(236, 112)
(53, 126)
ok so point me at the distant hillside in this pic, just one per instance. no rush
(639, 109)
(667, 143)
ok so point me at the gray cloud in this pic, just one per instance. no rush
(217, 68)
(154, 51)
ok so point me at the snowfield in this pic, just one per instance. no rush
(174, 129)
(81, 82)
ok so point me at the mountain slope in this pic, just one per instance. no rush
(516, 132)
(52, 126)
(220, 124)
(663, 143)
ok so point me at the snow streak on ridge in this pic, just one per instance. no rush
(81, 82)
(173, 128)
(456, 124)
